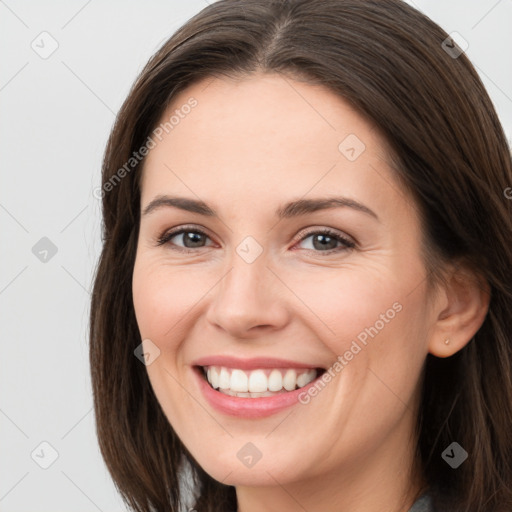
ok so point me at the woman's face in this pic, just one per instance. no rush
(254, 289)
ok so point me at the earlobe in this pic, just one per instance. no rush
(464, 310)
(447, 348)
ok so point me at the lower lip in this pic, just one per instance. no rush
(249, 407)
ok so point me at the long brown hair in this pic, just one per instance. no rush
(389, 61)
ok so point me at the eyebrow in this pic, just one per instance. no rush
(289, 210)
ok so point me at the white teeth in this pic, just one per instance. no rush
(213, 377)
(257, 383)
(239, 381)
(306, 378)
(290, 380)
(224, 379)
(275, 381)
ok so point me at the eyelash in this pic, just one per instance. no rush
(346, 243)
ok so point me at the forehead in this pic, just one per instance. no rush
(265, 134)
(266, 110)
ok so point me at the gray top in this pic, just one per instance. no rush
(422, 504)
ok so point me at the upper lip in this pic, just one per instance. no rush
(250, 364)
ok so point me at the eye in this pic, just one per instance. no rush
(187, 239)
(326, 240)
(190, 238)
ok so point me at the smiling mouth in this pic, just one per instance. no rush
(257, 383)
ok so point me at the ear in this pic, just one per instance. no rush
(461, 311)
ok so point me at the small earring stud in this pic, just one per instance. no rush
(447, 341)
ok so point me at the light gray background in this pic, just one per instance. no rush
(56, 114)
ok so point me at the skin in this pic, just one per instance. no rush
(248, 147)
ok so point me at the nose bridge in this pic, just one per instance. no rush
(248, 277)
(247, 295)
(244, 281)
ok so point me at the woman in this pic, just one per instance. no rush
(304, 299)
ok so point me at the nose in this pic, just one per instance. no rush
(249, 300)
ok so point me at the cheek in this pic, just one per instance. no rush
(371, 314)
(162, 298)
(346, 301)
